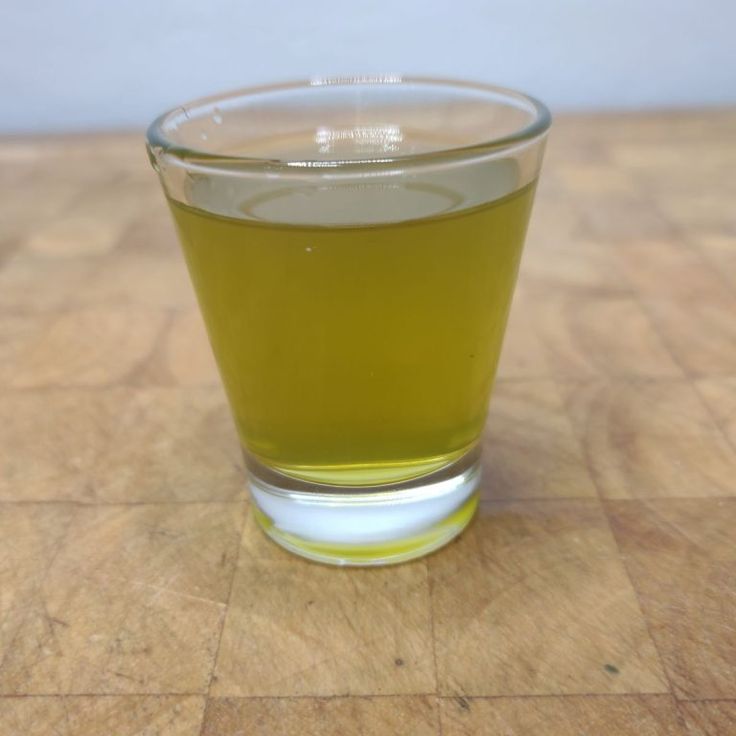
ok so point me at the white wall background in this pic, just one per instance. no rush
(79, 64)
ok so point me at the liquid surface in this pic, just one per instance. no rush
(357, 355)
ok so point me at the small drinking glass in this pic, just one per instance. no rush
(354, 244)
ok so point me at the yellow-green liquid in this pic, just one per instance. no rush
(357, 355)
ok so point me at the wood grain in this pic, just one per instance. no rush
(720, 251)
(102, 716)
(126, 279)
(17, 332)
(184, 357)
(534, 600)
(170, 444)
(581, 341)
(523, 354)
(720, 396)
(682, 561)
(30, 285)
(700, 333)
(528, 418)
(140, 615)
(593, 594)
(88, 347)
(643, 715)
(29, 537)
(122, 445)
(622, 216)
(650, 438)
(409, 716)
(51, 440)
(576, 266)
(668, 269)
(712, 718)
(313, 630)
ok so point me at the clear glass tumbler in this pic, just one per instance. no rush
(354, 244)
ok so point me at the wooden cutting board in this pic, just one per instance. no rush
(594, 594)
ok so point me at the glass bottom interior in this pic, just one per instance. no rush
(379, 525)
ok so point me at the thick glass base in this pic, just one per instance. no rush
(377, 525)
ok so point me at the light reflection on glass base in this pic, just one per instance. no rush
(376, 526)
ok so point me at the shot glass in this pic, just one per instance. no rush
(354, 245)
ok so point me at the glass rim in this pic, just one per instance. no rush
(159, 143)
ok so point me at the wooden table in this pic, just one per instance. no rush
(594, 594)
